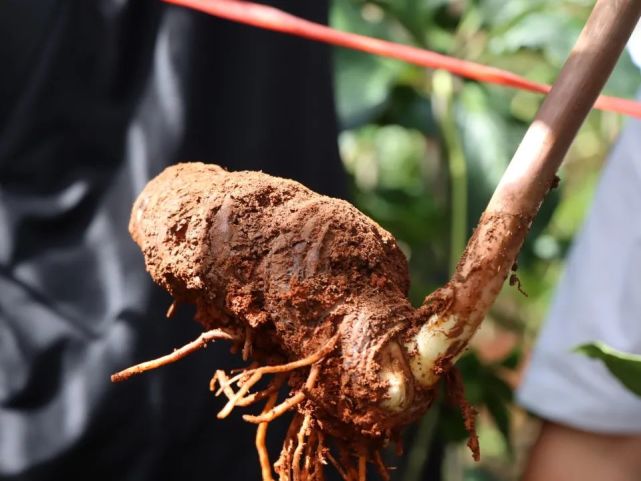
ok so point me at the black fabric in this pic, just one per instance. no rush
(96, 97)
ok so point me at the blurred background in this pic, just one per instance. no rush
(98, 97)
(424, 151)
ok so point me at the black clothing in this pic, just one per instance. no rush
(96, 97)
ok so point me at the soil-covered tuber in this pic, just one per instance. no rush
(308, 288)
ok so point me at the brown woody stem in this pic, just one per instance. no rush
(503, 227)
(497, 240)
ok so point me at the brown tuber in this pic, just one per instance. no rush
(310, 288)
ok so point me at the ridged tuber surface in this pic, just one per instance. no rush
(296, 267)
(313, 292)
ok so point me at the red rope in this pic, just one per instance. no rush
(271, 18)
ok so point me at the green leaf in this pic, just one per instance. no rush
(500, 14)
(500, 413)
(625, 367)
(571, 212)
(451, 426)
(496, 386)
(479, 473)
(554, 32)
(483, 133)
(512, 360)
(411, 109)
(624, 80)
(362, 81)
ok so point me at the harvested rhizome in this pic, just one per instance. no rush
(313, 293)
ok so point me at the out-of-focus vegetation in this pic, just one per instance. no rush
(425, 150)
(625, 367)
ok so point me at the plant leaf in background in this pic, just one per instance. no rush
(625, 367)
(551, 31)
(363, 81)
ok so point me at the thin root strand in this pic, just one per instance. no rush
(250, 377)
(285, 405)
(261, 445)
(273, 387)
(202, 341)
(380, 466)
(362, 467)
(306, 361)
(302, 432)
(338, 467)
(247, 345)
(244, 389)
(278, 411)
(172, 309)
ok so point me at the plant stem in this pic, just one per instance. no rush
(493, 248)
(271, 18)
(443, 98)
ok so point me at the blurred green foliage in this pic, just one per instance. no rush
(425, 150)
